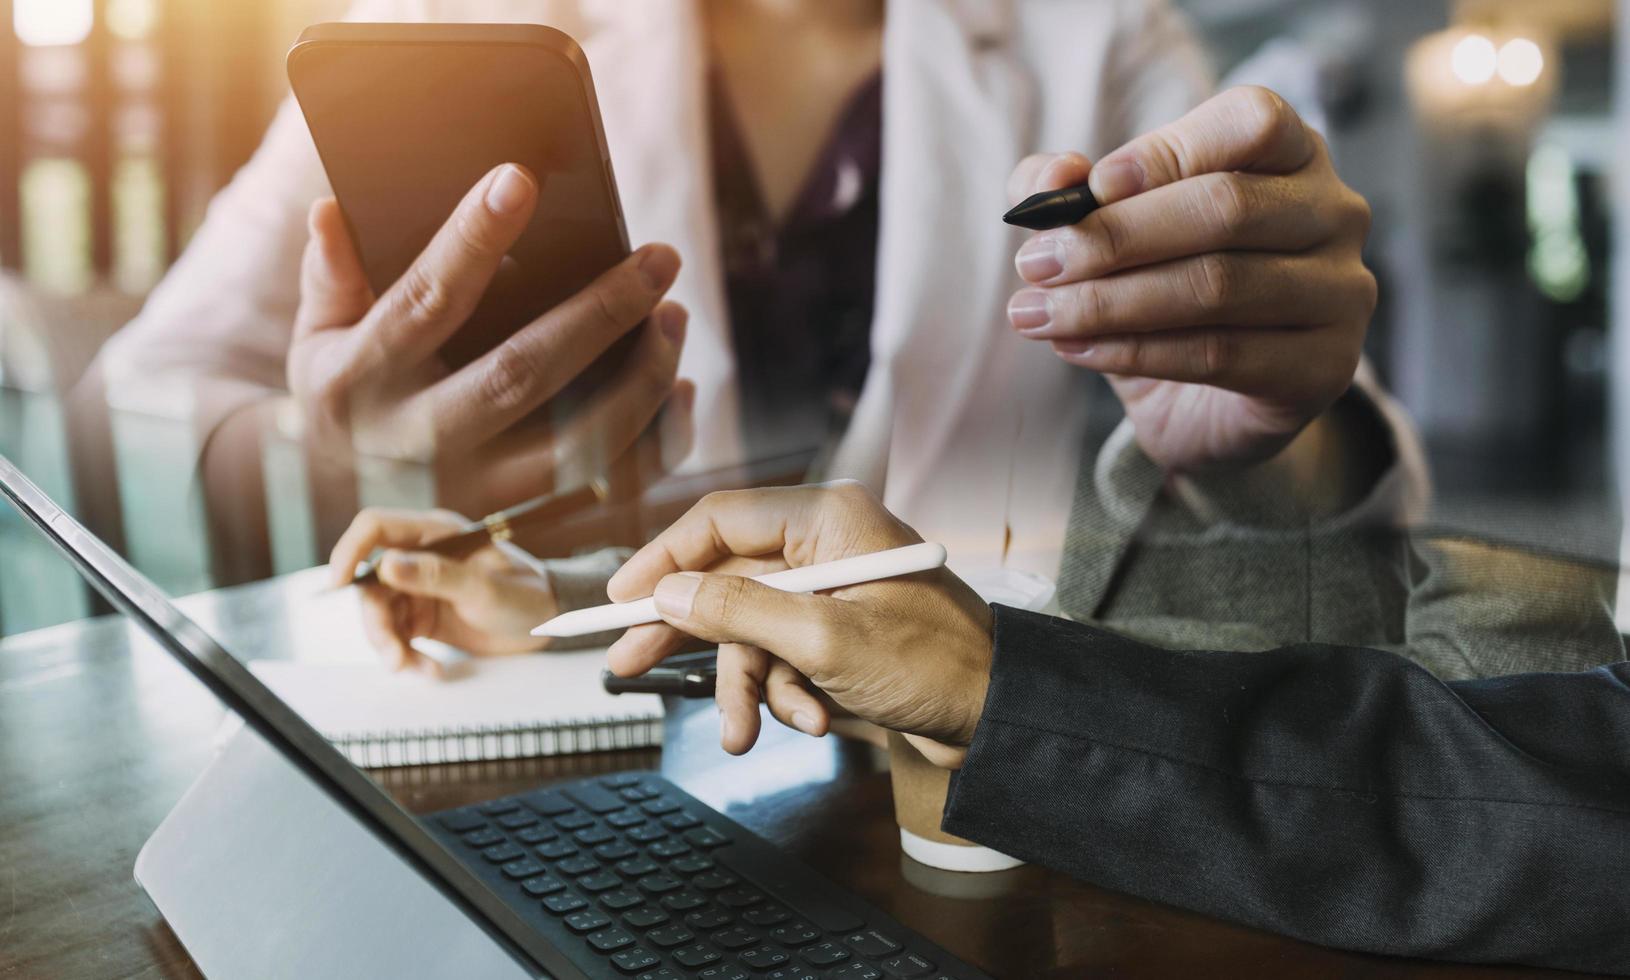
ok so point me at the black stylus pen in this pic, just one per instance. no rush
(1053, 209)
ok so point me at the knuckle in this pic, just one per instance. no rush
(1369, 292)
(472, 232)
(656, 379)
(510, 378)
(1226, 197)
(1212, 282)
(724, 600)
(1092, 304)
(1104, 245)
(425, 296)
(1361, 215)
(1265, 113)
(1217, 353)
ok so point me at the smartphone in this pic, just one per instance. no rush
(407, 117)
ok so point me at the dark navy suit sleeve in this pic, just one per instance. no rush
(1344, 796)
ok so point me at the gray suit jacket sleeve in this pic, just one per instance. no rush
(1340, 795)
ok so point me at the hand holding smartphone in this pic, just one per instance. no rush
(468, 295)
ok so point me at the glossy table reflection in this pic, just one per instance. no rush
(100, 733)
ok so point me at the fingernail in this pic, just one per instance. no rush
(1115, 180)
(671, 321)
(658, 267)
(804, 722)
(676, 593)
(726, 729)
(508, 191)
(403, 565)
(1028, 310)
(1040, 259)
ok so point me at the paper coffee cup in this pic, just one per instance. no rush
(920, 787)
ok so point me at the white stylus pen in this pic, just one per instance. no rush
(809, 578)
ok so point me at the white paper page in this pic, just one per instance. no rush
(340, 700)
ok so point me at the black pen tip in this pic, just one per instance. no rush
(1051, 209)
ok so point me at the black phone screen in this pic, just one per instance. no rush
(407, 117)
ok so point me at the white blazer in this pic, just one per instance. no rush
(971, 434)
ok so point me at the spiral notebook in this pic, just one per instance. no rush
(495, 708)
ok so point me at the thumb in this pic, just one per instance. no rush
(1041, 172)
(421, 573)
(797, 627)
(334, 291)
(1244, 129)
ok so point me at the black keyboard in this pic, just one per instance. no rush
(631, 877)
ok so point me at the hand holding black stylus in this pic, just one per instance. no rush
(1213, 273)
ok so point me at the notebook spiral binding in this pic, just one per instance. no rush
(385, 749)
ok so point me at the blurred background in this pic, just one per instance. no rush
(1483, 132)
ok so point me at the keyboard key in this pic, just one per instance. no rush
(503, 853)
(824, 954)
(557, 849)
(462, 821)
(739, 898)
(695, 956)
(909, 965)
(797, 934)
(709, 918)
(737, 938)
(646, 916)
(485, 837)
(498, 808)
(873, 943)
(573, 821)
(856, 971)
(706, 837)
(524, 868)
(664, 973)
(578, 864)
(638, 867)
(515, 821)
(692, 864)
(660, 884)
(615, 851)
(683, 901)
(621, 780)
(621, 899)
(542, 885)
(594, 835)
(659, 806)
(672, 847)
(646, 833)
(765, 957)
(625, 818)
(599, 882)
(587, 920)
(635, 794)
(537, 834)
(715, 880)
(679, 821)
(563, 902)
(794, 972)
(724, 971)
(668, 937)
(549, 803)
(827, 915)
(596, 799)
(766, 915)
(607, 940)
(635, 959)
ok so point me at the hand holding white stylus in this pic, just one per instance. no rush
(808, 578)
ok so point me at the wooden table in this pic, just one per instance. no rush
(100, 733)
